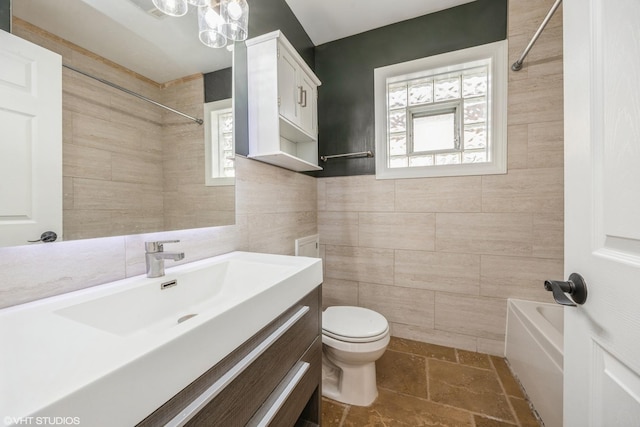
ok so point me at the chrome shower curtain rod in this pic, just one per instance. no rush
(517, 66)
(137, 95)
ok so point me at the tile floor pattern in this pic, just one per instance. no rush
(429, 385)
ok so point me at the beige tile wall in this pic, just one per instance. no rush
(440, 256)
(188, 203)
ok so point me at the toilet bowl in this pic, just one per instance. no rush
(353, 338)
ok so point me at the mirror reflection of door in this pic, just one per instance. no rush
(31, 141)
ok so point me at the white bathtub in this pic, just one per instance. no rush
(534, 349)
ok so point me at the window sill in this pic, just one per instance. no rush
(441, 171)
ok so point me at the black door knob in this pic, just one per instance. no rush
(46, 237)
(575, 287)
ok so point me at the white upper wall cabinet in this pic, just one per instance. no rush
(283, 107)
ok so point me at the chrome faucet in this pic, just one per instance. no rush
(155, 256)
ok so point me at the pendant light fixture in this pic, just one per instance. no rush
(210, 28)
(219, 21)
(172, 7)
(235, 14)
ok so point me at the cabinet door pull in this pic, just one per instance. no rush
(300, 95)
(304, 97)
(209, 394)
(301, 368)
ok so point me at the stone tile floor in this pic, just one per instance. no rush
(429, 385)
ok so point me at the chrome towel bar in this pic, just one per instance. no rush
(348, 155)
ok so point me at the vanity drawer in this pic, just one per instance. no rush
(286, 403)
(231, 392)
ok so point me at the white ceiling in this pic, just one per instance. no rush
(167, 48)
(162, 49)
(328, 20)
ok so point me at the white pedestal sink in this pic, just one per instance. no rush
(112, 354)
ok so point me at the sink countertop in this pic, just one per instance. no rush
(55, 365)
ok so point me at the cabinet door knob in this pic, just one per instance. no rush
(304, 98)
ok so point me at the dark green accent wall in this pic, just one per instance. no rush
(218, 85)
(264, 16)
(270, 15)
(5, 15)
(345, 67)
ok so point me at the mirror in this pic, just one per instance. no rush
(218, 147)
(130, 166)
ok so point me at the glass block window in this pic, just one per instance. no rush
(219, 143)
(439, 114)
(443, 118)
(225, 144)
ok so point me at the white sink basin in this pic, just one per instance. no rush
(87, 354)
(162, 303)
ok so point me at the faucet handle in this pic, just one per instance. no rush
(152, 247)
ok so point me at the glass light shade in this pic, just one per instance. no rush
(235, 14)
(210, 27)
(199, 2)
(172, 7)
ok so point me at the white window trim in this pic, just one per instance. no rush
(497, 86)
(212, 169)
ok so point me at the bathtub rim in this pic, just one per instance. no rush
(550, 340)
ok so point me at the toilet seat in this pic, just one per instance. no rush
(354, 324)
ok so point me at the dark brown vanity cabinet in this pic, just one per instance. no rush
(273, 379)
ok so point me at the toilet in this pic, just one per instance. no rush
(353, 338)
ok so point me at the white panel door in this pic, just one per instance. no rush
(602, 211)
(30, 141)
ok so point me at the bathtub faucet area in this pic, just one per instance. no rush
(155, 256)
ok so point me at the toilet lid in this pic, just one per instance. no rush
(353, 323)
